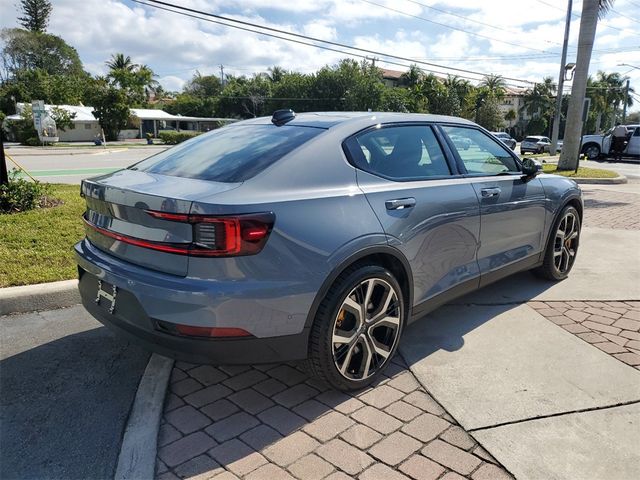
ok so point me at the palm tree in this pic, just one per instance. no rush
(411, 77)
(120, 62)
(495, 85)
(276, 73)
(539, 101)
(591, 10)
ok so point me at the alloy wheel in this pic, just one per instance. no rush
(366, 329)
(566, 242)
(592, 152)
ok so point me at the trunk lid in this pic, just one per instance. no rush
(117, 205)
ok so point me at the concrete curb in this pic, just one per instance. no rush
(42, 296)
(137, 459)
(601, 181)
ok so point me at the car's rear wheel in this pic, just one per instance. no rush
(357, 328)
(562, 247)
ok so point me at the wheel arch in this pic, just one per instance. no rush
(386, 256)
(573, 202)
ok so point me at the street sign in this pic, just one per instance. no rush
(37, 107)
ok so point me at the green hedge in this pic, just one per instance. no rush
(172, 138)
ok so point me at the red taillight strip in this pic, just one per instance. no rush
(187, 249)
(174, 217)
(163, 247)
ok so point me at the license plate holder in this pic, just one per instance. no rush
(107, 292)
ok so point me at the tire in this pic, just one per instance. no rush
(560, 256)
(592, 151)
(345, 365)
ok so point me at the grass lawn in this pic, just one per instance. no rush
(37, 246)
(583, 172)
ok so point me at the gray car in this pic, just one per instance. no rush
(505, 138)
(318, 236)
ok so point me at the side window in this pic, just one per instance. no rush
(409, 152)
(637, 132)
(479, 152)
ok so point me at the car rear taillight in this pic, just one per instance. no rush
(213, 236)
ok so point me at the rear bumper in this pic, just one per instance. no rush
(144, 297)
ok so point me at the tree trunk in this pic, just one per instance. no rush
(573, 129)
(598, 122)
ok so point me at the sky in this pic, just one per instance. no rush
(519, 39)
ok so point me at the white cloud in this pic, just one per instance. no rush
(176, 46)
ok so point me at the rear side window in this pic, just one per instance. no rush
(231, 154)
(480, 153)
(409, 152)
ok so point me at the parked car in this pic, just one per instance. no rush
(505, 138)
(595, 146)
(461, 142)
(317, 236)
(535, 144)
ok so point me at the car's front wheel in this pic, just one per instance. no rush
(562, 247)
(591, 151)
(357, 328)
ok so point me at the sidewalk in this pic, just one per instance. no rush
(529, 383)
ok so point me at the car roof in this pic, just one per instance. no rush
(330, 119)
(535, 136)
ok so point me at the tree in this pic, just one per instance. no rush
(539, 103)
(111, 108)
(411, 77)
(35, 14)
(495, 85)
(136, 81)
(120, 62)
(25, 50)
(63, 118)
(591, 10)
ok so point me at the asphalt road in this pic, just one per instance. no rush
(71, 165)
(67, 387)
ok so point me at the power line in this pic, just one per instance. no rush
(624, 16)
(157, 3)
(453, 28)
(576, 16)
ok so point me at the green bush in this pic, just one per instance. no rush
(20, 195)
(32, 142)
(172, 138)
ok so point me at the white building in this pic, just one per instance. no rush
(86, 126)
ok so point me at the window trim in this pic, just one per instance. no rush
(461, 166)
(350, 143)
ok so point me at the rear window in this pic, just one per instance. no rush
(231, 154)
(531, 139)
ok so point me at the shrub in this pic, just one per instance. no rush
(172, 138)
(20, 195)
(32, 142)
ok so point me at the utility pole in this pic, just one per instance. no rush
(624, 105)
(222, 75)
(555, 132)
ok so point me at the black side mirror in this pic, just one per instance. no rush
(531, 168)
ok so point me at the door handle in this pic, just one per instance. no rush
(400, 203)
(490, 192)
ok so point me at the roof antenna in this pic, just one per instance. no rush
(280, 117)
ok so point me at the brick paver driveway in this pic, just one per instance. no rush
(273, 421)
(613, 327)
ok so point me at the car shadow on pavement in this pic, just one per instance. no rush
(503, 296)
(65, 403)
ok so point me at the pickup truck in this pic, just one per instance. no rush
(596, 146)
